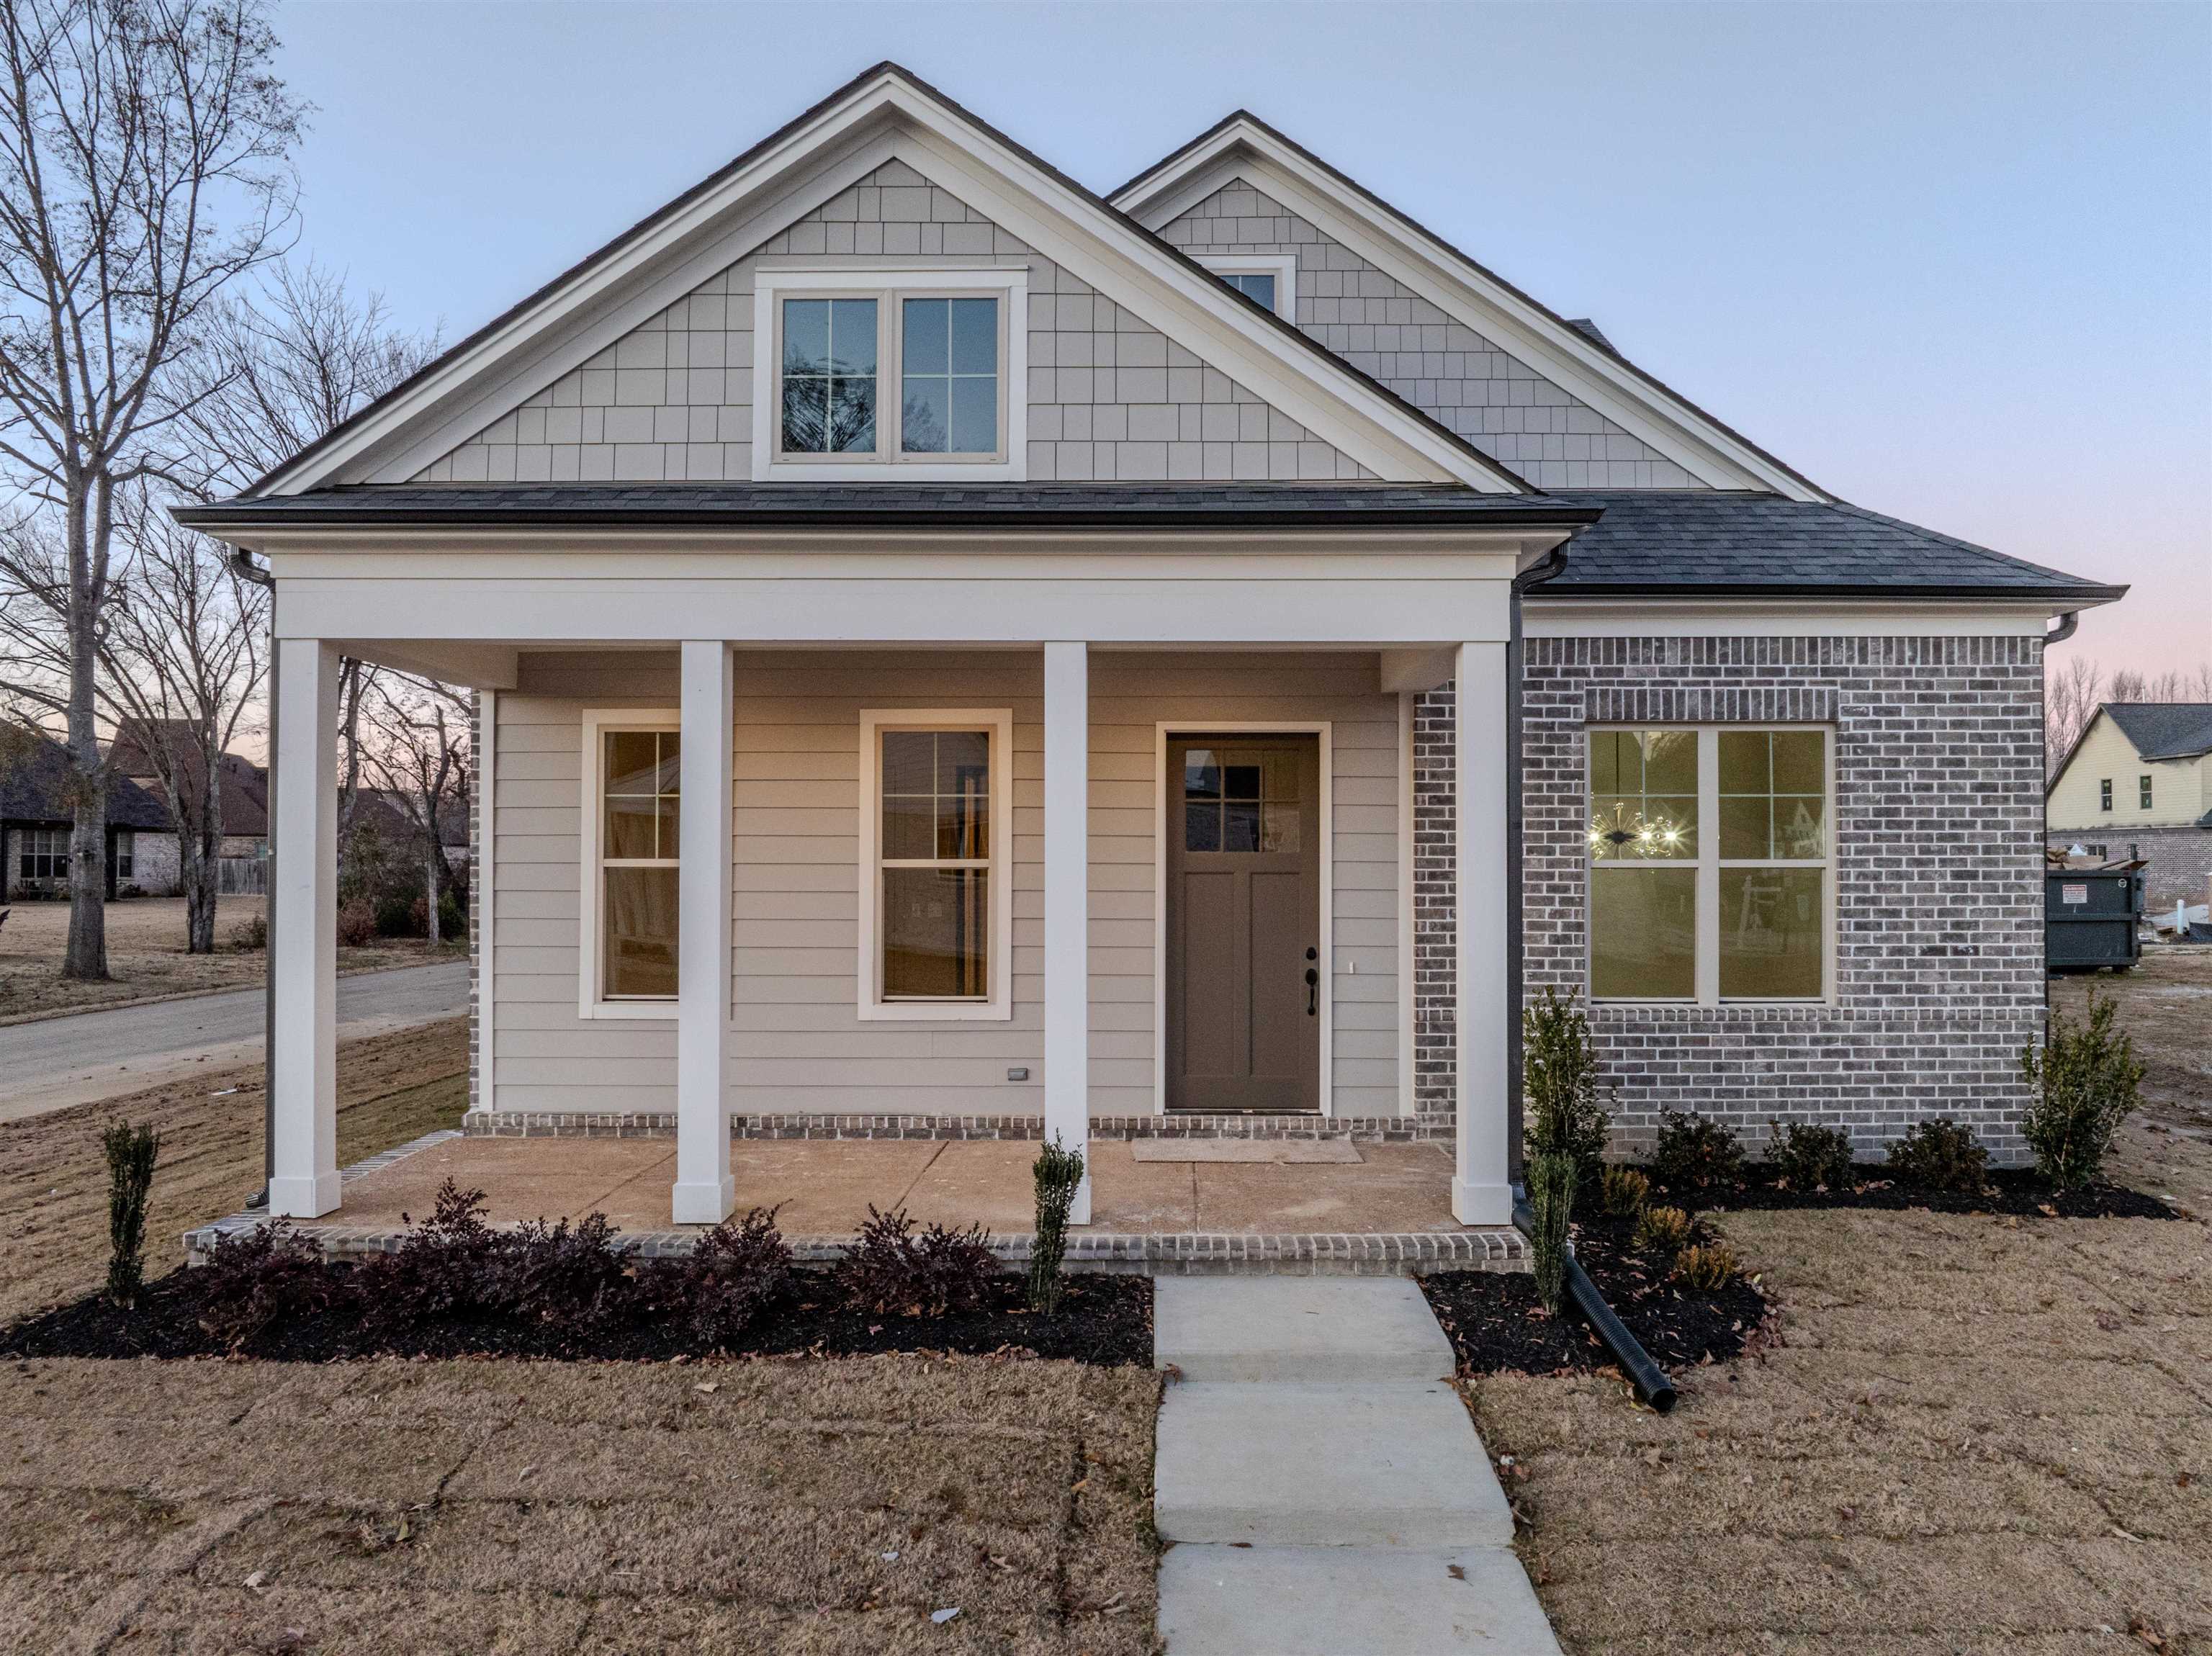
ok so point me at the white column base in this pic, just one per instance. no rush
(1482, 1205)
(303, 1198)
(703, 1204)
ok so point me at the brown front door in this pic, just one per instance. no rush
(1244, 917)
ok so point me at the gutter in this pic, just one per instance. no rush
(2065, 629)
(1648, 1379)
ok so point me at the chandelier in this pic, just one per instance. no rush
(1622, 832)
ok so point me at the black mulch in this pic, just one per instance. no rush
(2007, 1190)
(1103, 1320)
(1498, 1326)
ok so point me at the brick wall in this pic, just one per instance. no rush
(1938, 854)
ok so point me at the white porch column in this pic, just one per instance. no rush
(1481, 1194)
(1067, 905)
(303, 945)
(705, 1192)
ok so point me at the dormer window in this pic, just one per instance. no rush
(867, 372)
(1266, 279)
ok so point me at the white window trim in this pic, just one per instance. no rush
(888, 284)
(997, 1006)
(590, 1003)
(1708, 863)
(1326, 730)
(1283, 267)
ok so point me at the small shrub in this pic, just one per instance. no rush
(2086, 1079)
(444, 1267)
(125, 893)
(1552, 1176)
(396, 917)
(738, 1269)
(1662, 1230)
(1707, 1266)
(253, 1280)
(1694, 1153)
(1559, 1085)
(1625, 1192)
(1059, 1174)
(573, 1280)
(357, 924)
(453, 918)
(1809, 1157)
(1940, 1155)
(890, 1269)
(250, 934)
(130, 1155)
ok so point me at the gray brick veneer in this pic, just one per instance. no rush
(1110, 398)
(1492, 398)
(1939, 836)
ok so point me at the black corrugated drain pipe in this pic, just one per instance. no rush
(1648, 1379)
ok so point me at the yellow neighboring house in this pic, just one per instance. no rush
(2141, 775)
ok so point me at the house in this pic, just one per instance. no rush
(242, 786)
(36, 822)
(2138, 781)
(960, 655)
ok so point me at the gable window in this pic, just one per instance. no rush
(43, 855)
(935, 907)
(1267, 279)
(1710, 868)
(2143, 790)
(633, 768)
(916, 372)
(2105, 793)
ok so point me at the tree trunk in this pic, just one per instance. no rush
(202, 860)
(430, 884)
(87, 956)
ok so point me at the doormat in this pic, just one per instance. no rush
(1280, 1151)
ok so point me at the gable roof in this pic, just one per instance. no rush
(1708, 542)
(1576, 356)
(2164, 730)
(243, 785)
(34, 787)
(785, 174)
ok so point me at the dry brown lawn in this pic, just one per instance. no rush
(53, 1182)
(1971, 1434)
(146, 957)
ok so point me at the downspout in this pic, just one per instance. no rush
(2064, 630)
(1648, 1379)
(242, 566)
(1544, 569)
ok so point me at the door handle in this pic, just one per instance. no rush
(1313, 991)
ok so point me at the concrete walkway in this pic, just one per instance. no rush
(1321, 1482)
(54, 1063)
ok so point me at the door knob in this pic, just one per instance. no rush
(1313, 989)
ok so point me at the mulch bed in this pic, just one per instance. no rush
(1103, 1320)
(1498, 1326)
(2006, 1190)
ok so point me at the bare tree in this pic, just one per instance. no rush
(2071, 695)
(421, 755)
(145, 152)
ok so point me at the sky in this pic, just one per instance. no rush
(1953, 261)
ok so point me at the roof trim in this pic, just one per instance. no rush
(1332, 399)
(1592, 369)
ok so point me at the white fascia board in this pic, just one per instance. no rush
(1901, 617)
(1449, 280)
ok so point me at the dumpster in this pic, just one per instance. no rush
(2092, 918)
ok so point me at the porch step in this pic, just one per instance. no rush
(1389, 1465)
(1318, 1329)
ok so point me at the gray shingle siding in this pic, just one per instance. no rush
(1938, 813)
(1497, 402)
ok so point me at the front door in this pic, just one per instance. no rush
(1243, 918)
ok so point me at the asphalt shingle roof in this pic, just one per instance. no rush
(2165, 729)
(35, 788)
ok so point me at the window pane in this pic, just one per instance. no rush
(975, 417)
(1240, 781)
(1643, 933)
(909, 827)
(925, 416)
(1744, 763)
(975, 336)
(1670, 761)
(1800, 826)
(935, 924)
(1240, 825)
(964, 823)
(1278, 827)
(852, 417)
(1202, 775)
(1771, 924)
(1201, 825)
(962, 760)
(667, 838)
(828, 396)
(852, 337)
(1744, 825)
(640, 931)
(1256, 285)
(1801, 761)
(633, 761)
(927, 336)
(909, 761)
(1644, 796)
(1280, 777)
(630, 826)
(805, 337)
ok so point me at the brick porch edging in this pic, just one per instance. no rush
(661, 1123)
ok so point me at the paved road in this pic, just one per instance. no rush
(58, 1062)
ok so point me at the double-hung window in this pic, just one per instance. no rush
(633, 805)
(2143, 792)
(1710, 863)
(126, 852)
(43, 855)
(919, 373)
(935, 908)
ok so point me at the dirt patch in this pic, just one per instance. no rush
(146, 956)
(1967, 1434)
(388, 1508)
(1498, 1326)
(1102, 1319)
(2166, 1004)
(53, 1182)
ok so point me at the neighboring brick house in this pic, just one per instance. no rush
(1192, 662)
(243, 791)
(35, 824)
(2138, 782)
